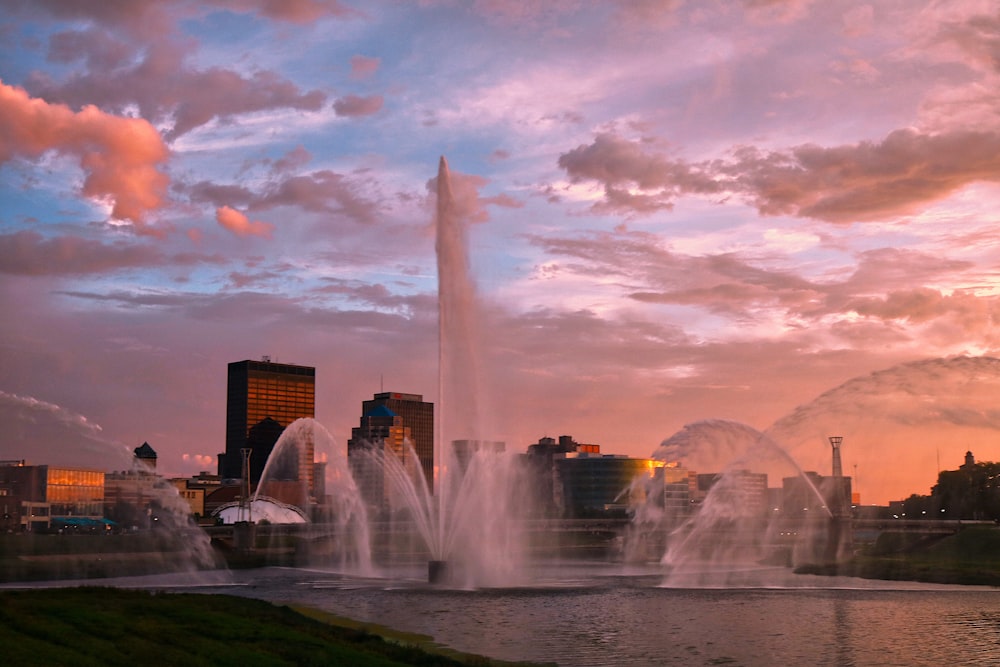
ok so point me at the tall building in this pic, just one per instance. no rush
(263, 398)
(380, 434)
(540, 466)
(391, 416)
(601, 485)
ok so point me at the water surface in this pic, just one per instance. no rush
(606, 616)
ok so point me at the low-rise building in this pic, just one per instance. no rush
(43, 497)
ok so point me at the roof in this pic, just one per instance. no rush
(82, 521)
(380, 411)
(144, 451)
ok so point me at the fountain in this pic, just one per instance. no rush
(902, 415)
(468, 528)
(736, 533)
(473, 527)
(465, 519)
(149, 528)
(468, 517)
(307, 474)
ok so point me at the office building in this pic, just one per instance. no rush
(263, 398)
(811, 495)
(603, 485)
(740, 488)
(381, 434)
(414, 414)
(44, 497)
(465, 450)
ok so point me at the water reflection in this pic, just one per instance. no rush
(842, 633)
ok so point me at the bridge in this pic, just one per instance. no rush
(564, 536)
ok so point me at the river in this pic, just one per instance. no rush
(577, 615)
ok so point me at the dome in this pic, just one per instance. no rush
(263, 509)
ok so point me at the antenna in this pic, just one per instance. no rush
(245, 512)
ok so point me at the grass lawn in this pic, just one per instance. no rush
(969, 557)
(109, 626)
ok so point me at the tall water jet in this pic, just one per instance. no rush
(459, 337)
(467, 513)
(464, 515)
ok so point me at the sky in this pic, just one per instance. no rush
(682, 217)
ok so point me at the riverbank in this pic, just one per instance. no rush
(110, 626)
(969, 557)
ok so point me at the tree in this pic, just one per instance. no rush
(972, 492)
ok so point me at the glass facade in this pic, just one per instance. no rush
(591, 485)
(75, 492)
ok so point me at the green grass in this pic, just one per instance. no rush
(107, 626)
(969, 557)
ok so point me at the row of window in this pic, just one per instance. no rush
(75, 477)
(72, 494)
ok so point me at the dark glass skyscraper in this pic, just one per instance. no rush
(261, 397)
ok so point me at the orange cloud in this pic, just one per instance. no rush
(121, 156)
(240, 224)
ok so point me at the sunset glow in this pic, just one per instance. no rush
(784, 214)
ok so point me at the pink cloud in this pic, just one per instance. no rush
(865, 181)
(121, 156)
(152, 19)
(620, 164)
(858, 21)
(466, 197)
(354, 106)
(293, 159)
(363, 67)
(977, 37)
(165, 88)
(141, 19)
(321, 192)
(776, 11)
(318, 192)
(28, 253)
(240, 224)
(293, 11)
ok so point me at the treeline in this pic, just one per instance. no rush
(971, 492)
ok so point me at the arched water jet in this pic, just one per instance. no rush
(165, 537)
(307, 469)
(732, 531)
(904, 414)
(899, 421)
(479, 543)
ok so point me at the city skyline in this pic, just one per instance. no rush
(777, 214)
